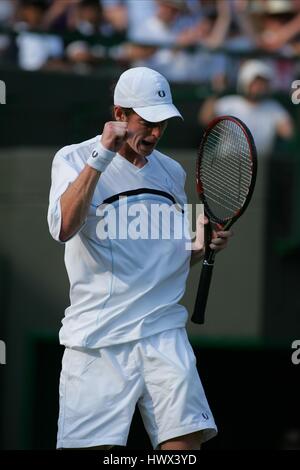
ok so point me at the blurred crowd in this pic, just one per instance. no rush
(187, 40)
(253, 103)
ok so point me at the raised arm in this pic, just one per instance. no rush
(76, 199)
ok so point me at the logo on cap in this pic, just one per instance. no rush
(94, 154)
(162, 93)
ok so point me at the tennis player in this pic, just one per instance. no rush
(124, 331)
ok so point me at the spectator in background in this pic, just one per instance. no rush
(153, 39)
(265, 117)
(270, 19)
(159, 42)
(56, 17)
(36, 49)
(128, 15)
(169, 19)
(211, 26)
(220, 24)
(209, 31)
(7, 11)
(87, 19)
(241, 33)
(208, 24)
(276, 25)
(116, 13)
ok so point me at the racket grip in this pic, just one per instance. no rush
(202, 294)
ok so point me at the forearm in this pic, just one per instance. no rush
(285, 129)
(196, 256)
(290, 29)
(217, 243)
(76, 200)
(207, 111)
(220, 27)
(246, 25)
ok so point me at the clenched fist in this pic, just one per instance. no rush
(114, 135)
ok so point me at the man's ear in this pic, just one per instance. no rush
(119, 114)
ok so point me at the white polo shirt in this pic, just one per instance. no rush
(123, 284)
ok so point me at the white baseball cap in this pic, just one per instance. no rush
(251, 70)
(147, 92)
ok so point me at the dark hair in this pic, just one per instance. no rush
(41, 4)
(89, 3)
(126, 111)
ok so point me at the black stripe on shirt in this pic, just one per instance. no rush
(134, 192)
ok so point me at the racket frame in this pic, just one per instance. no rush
(209, 256)
(253, 154)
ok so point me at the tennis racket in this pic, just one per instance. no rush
(225, 178)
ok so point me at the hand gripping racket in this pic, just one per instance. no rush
(225, 178)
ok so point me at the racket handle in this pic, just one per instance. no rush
(202, 294)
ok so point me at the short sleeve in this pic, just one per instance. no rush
(62, 175)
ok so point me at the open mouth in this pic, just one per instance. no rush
(146, 143)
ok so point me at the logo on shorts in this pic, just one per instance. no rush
(205, 416)
(94, 154)
(162, 93)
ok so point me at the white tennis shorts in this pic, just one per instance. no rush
(100, 388)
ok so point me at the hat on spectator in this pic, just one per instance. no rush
(272, 7)
(147, 92)
(251, 70)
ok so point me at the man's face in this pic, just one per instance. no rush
(259, 89)
(144, 135)
(32, 15)
(91, 14)
(167, 13)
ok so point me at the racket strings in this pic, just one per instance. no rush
(226, 169)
